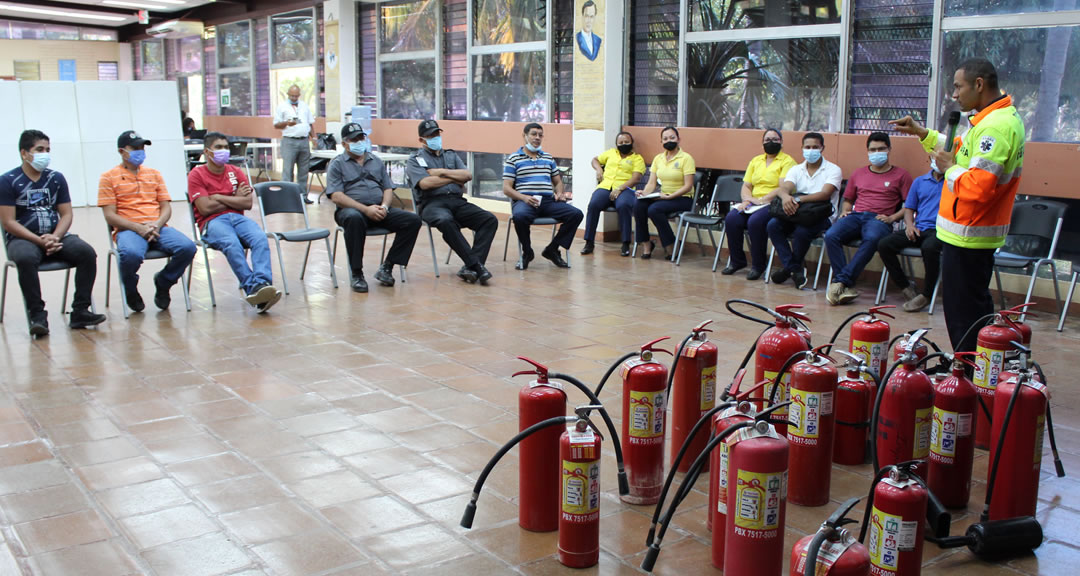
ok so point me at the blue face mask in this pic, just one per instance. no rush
(40, 161)
(360, 148)
(531, 148)
(933, 165)
(811, 155)
(435, 143)
(137, 157)
(878, 158)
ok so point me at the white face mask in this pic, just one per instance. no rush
(40, 161)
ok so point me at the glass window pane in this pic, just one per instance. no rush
(510, 87)
(409, 26)
(652, 73)
(509, 21)
(98, 34)
(58, 32)
(191, 51)
(487, 175)
(788, 84)
(236, 93)
(153, 59)
(408, 89)
(108, 71)
(234, 45)
(1038, 67)
(27, 70)
(987, 7)
(27, 31)
(731, 14)
(294, 37)
(283, 78)
(5, 29)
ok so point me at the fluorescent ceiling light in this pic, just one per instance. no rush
(62, 13)
(134, 5)
(169, 1)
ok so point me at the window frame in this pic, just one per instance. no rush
(250, 68)
(274, 64)
(436, 54)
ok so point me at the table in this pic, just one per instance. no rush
(250, 146)
(384, 156)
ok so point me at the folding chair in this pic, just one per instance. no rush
(238, 157)
(47, 265)
(285, 198)
(538, 222)
(151, 254)
(316, 169)
(907, 254)
(1029, 233)
(415, 191)
(854, 245)
(677, 215)
(197, 237)
(1069, 294)
(703, 216)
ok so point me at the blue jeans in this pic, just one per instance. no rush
(624, 207)
(736, 225)
(231, 234)
(855, 225)
(793, 255)
(132, 249)
(658, 211)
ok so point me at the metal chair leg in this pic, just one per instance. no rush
(209, 276)
(108, 274)
(404, 277)
(67, 283)
(1061, 322)
(820, 260)
(933, 297)
(120, 281)
(680, 242)
(303, 268)
(716, 258)
(382, 256)
(281, 264)
(184, 287)
(881, 287)
(768, 267)
(330, 257)
(506, 245)
(1001, 293)
(3, 293)
(434, 258)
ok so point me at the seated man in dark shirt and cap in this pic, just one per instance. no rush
(438, 176)
(359, 185)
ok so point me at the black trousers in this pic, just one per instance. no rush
(451, 213)
(889, 249)
(28, 256)
(965, 286)
(405, 226)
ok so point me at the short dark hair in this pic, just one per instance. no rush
(672, 128)
(529, 127)
(211, 138)
(588, 4)
(29, 138)
(625, 133)
(878, 137)
(777, 130)
(814, 136)
(980, 68)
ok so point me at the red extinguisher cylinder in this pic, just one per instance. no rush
(693, 393)
(854, 402)
(952, 441)
(718, 474)
(774, 347)
(993, 343)
(904, 417)
(538, 508)
(1016, 487)
(869, 340)
(832, 550)
(757, 499)
(579, 521)
(644, 408)
(811, 422)
(896, 519)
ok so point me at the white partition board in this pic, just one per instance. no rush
(51, 108)
(98, 157)
(67, 158)
(155, 110)
(163, 155)
(11, 125)
(104, 110)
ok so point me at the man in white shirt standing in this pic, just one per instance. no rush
(814, 182)
(297, 125)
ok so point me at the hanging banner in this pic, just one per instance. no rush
(332, 71)
(589, 65)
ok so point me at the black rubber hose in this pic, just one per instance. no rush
(937, 515)
(986, 409)
(746, 360)
(770, 323)
(840, 328)
(783, 372)
(812, 551)
(611, 370)
(997, 453)
(624, 483)
(674, 364)
(870, 502)
(470, 508)
(1060, 468)
(980, 323)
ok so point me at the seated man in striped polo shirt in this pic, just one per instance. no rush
(532, 181)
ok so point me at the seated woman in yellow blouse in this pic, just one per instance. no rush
(618, 170)
(760, 183)
(673, 171)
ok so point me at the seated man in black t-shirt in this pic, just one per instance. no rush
(35, 211)
(439, 175)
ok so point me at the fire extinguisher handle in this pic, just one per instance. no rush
(877, 310)
(702, 327)
(839, 517)
(541, 370)
(648, 347)
(785, 311)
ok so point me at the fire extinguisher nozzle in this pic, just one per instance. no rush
(1059, 467)
(467, 517)
(624, 483)
(650, 558)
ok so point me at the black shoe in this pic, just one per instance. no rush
(308, 200)
(754, 274)
(729, 270)
(527, 255)
(670, 256)
(85, 319)
(780, 276)
(467, 274)
(482, 274)
(625, 250)
(799, 279)
(588, 249)
(552, 253)
(652, 246)
(39, 324)
(385, 274)
(359, 284)
(135, 301)
(162, 299)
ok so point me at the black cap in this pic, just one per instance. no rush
(131, 138)
(352, 130)
(427, 128)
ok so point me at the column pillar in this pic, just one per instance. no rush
(340, 48)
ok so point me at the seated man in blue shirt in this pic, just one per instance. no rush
(531, 179)
(920, 218)
(35, 210)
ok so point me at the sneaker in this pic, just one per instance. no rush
(262, 308)
(917, 303)
(910, 293)
(848, 295)
(527, 255)
(832, 295)
(588, 249)
(135, 301)
(260, 295)
(780, 276)
(799, 279)
(625, 249)
(359, 284)
(385, 274)
(552, 253)
(85, 319)
(39, 325)
(467, 274)
(482, 274)
(162, 299)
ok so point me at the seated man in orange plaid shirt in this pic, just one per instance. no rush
(137, 208)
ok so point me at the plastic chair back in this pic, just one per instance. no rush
(237, 149)
(280, 198)
(728, 189)
(1034, 228)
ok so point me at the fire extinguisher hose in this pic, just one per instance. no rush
(611, 370)
(881, 394)
(812, 551)
(675, 364)
(769, 323)
(978, 324)
(840, 328)
(745, 361)
(624, 483)
(470, 508)
(1050, 427)
(936, 513)
(997, 454)
(783, 372)
(870, 501)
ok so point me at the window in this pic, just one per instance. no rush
(407, 34)
(58, 32)
(455, 68)
(510, 87)
(99, 34)
(189, 60)
(108, 71)
(293, 37)
(487, 175)
(509, 21)
(235, 94)
(27, 70)
(736, 14)
(234, 45)
(408, 89)
(407, 27)
(27, 31)
(235, 58)
(653, 74)
(988, 7)
(152, 65)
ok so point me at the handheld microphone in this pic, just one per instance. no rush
(954, 119)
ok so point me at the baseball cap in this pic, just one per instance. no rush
(131, 138)
(427, 128)
(352, 130)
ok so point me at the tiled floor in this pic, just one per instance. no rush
(341, 433)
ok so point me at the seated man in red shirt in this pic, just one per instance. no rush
(872, 203)
(220, 193)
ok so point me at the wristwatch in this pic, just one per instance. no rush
(796, 200)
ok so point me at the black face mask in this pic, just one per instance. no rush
(625, 148)
(772, 148)
(670, 145)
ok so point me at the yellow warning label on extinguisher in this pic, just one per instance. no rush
(921, 444)
(872, 353)
(647, 414)
(782, 393)
(708, 388)
(580, 487)
(757, 500)
(988, 364)
(948, 427)
(807, 408)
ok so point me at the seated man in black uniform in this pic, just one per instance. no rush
(439, 175)
(358, 183)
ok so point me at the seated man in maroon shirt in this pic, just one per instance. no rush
(872, 203)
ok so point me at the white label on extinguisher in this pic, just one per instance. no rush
(721, 494)
(708, 388)
(908, 532)
(988, 364)
(872, 353)
(782, 393)
(828, 554)
(757, 501)
(581, 490)
(943, 433)
(921, 445)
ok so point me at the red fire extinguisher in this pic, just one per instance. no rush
(757, 499)
(539, 400)
(643, 410)
(775, 346)
(894, 517)
(901, 348)
(992, 345)
(1017, 314)
(693, 393)
(903, 411)
(810, 428)
(856, 388)
(952, 442)
(832, 550)
(869, 339)
(741, 412)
